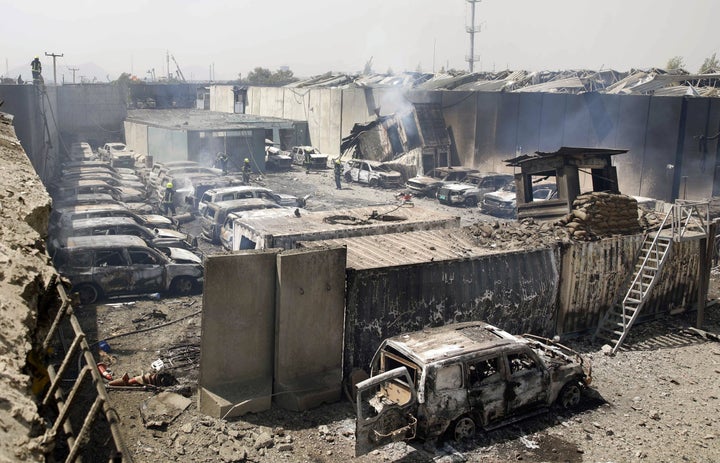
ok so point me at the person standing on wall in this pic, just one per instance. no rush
(246, 171)
(36, 67)
(168, 201)
(338, 174)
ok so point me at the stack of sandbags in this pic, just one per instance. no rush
(599, 214)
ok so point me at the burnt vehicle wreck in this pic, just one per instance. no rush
(451, 380)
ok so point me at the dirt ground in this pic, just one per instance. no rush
(655, 401)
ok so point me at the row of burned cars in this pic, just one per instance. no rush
(106, 234)
(454, 186)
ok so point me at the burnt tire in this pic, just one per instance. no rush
(348, 177)
(374, 182)
(471, 201)
(88, 293)
(463, 429)
(182, 286)
(569, 396)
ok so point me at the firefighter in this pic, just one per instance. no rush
(246, 171)
(168, 201)
(36, 67)
(338, 174)
(222, 162)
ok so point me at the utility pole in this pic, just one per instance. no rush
(54, 56)
(472, 29)
(73, 71)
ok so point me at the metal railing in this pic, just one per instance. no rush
(79, 350)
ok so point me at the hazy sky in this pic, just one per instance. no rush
(316, 36)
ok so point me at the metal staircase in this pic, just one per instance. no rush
(686, 220)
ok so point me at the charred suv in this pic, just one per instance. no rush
(453, 379)
(104, 266)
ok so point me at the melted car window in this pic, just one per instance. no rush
(449, 377)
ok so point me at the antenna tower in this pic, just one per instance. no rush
(472, 28)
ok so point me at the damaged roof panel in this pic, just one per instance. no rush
(379, 251)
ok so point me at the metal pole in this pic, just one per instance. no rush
(54, 56)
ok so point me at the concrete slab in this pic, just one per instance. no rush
(309, 327)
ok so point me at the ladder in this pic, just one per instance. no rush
(687, 220)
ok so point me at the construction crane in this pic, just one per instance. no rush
(179, 72)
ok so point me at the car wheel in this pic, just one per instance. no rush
(373, 182)
(87, 293)
(182, 286)
(471, 201)
(348, 177)
(569, 395)
(463, 429)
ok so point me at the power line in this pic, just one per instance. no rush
(54, 57)
(73, 71)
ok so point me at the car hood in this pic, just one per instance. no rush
(279, 156)
(166, 233)
(422, 180)
(183, 255)
(157, 220)
(138, 207)
(287, 200)
(458, 187)
(502, 196)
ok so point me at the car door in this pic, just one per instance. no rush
(486, 385)
(147, 269)
(385, 407)
(364, 174)
(528, 381)
(111, 271)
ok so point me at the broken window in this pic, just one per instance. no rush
(390, 361)
(483, 372)
(109, 259)
(521, 362)
(142, 258)
(449, 377)
(227, 197)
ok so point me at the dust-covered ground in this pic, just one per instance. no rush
(655, 401)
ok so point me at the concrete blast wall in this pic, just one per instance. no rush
(237, 338)
(272, 325)
(309, 327)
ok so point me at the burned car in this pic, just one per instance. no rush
(371, 173)
(471, 191)
(503, 203)
(159, 238)
(118, 155)
(428, 184)
(102, 266)
(277, 159)
(450, 380)
(309, 156)
(62, 217)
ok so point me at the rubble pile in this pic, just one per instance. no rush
(599, 214)
(525, 234)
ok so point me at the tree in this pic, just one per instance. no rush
(259, 76)
(263, 76)
(676, 62)
(710, 64)
(390, 72)
(418, 68)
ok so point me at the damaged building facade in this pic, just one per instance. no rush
(667, 122)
